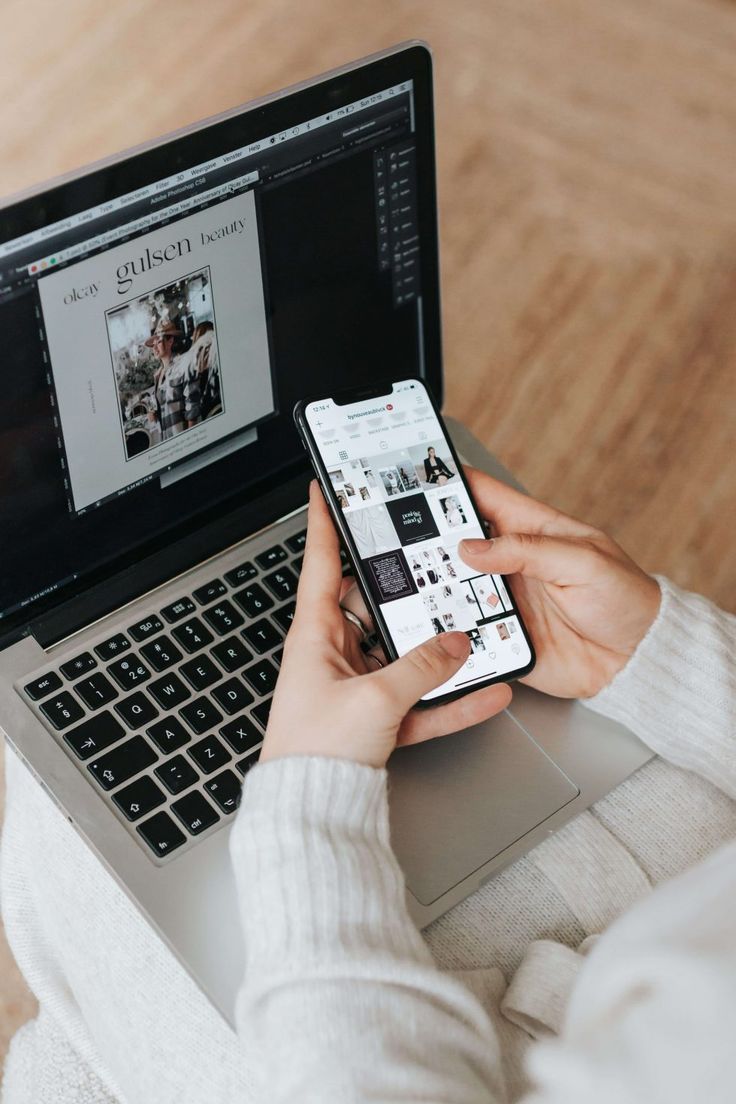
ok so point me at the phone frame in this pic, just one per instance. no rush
(385, 388)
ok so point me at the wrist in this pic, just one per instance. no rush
(646, 612)
(327, 737)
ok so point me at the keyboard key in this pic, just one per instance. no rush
(201, 672)
(226, 789)
(223, 618)
(62, 710)
(262, 677)
(123, 762)
(242, 735)
(262, 635)
(137, 710)
(285, 616)
(193, 635)
(297, 564)
(254, 600)
(139, 798)
(177, 774)
(96, 690)
(260, 712)
(129, 673)
(161, 653)
(200, 715)
(231, 654)
(240, 574)
(271, 557)
(298, 542)
(209, 754)
(232, 696)
(244, 765)
(195, 812)
(110, 649)
(277, 656)
(169, 691)
(169, 735)
(43, 685)
(210, 591)
(281, 583)
(78, 666)
(148, 627)
(96, 734)
(176, 610)
(161, 834)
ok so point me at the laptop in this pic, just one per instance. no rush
(162, 311)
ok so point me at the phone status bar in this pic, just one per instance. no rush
(340, 431)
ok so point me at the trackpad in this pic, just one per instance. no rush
(459, 801)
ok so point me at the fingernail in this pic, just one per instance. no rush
(455, 644)
(474, 547)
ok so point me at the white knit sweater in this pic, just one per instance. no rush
(342, 1000)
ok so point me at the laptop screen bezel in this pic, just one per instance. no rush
(53, 617)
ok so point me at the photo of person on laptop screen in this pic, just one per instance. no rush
(176, 384)
(168, 381)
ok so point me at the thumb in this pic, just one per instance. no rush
(559, 560)
(423, 669)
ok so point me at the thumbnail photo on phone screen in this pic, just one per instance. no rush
(394, 478)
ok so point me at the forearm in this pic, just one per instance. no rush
(341, 1001)
(678, 691)
(651, 1015)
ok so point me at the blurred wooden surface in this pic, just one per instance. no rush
(587, 168)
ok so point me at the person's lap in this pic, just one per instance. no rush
(92, 959)
(128, 1007)
(665, 820)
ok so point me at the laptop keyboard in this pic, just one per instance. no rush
(166, 718)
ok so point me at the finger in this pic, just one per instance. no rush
(376, 658)
(422, 669)
(351, 599)
(556, 560)
(471, 709)
(347, 584)
(321, 575)
(513, 511)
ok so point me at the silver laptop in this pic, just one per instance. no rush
(161, 313)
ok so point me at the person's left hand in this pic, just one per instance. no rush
(331, 700)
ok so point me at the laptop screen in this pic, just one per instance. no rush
(162, 315)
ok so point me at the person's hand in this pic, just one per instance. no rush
(585, 603)
(333, 700)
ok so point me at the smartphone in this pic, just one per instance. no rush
(400, 500)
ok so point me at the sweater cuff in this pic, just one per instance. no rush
(313, 864)
(678, 690)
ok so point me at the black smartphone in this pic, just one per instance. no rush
(401, 503)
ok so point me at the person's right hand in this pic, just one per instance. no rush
(586, 604)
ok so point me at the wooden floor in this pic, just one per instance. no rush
(587, 169)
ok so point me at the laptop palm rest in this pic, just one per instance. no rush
(457, 802)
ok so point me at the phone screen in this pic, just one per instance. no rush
(402, 495)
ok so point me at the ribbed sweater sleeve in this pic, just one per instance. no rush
(678, 691)
(341, 1002)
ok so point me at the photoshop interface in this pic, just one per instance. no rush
(166, 325)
